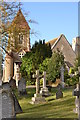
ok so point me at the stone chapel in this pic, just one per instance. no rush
(18, 45)
(69, 51)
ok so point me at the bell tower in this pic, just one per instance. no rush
(19, 34)
(18, 45)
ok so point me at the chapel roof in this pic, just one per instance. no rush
(20, 21)
(55, 40)
(52, 41)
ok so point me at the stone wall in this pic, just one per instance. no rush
(64, 46)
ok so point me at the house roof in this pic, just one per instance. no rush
(15, 56)
(20, 21)
(55, 40)
(52, 41)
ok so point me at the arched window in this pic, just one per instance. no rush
(20, 38)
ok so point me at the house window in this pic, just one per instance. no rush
(21, 55)
(20, 38)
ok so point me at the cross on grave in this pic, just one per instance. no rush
(37, 76)
(37, 97)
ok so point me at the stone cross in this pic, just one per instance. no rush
(37, 81)
(62, 75)
(44, 79)
(38, 98)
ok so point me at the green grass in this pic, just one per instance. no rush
(53, 108)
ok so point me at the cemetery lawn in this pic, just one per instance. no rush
(53, 108)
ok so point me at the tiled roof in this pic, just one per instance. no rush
(52, 41)
(20, 21)
(14, 55)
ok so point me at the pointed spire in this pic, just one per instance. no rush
(20, 21)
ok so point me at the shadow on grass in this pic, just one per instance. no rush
(39, 118)
(30, 93)
(54, 103)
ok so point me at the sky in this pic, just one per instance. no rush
(54, 18)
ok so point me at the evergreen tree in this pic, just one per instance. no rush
(55, 63)
(34, 59)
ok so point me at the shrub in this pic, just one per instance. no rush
(72, 81)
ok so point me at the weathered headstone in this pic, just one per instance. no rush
(10, 104)
(62, 76)
(59, 93)
(44, 91)
(37, 97)
(12, 83)
(8, 110)
(22, 86)
(76, 93)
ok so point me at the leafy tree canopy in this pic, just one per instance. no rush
(33, 60)
(55, 63)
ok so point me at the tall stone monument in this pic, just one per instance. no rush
(62, 76)
(44, 91)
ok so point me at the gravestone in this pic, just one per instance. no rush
(76, 93)
(59, 93)
(44, 91)
(37, 97)
(22, 86)
(10, 104)
(6, 86)
(12, 83)
(8, 109)
(62, 76)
